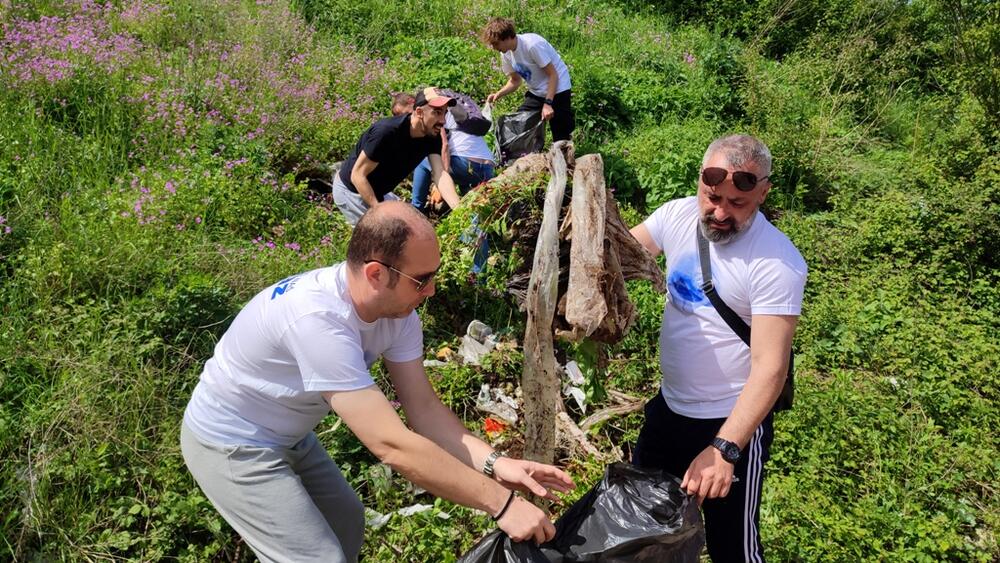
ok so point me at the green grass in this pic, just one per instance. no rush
(151, 181)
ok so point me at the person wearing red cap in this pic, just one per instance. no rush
(389, 150)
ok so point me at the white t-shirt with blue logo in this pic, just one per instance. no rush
(532, 53)
(704, 363)
(292, 341)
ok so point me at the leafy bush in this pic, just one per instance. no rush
(661, 163)
(459, 64)
(149, 167)
(194, 313)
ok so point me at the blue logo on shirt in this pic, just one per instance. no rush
(685, 290)
(524, 71)
(284, 285)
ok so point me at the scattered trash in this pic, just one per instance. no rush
(376, 520)
(496, 402)
(472, 351)
(579, 397)
(479, 330)
(434, 363)
(573, 373)
(444, 354)
(477, 342)
(572, 388)
(414, 509)
(380, 477)
(492, 426)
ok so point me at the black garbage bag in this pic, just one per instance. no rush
(633, 515)
(497, 547)
(518, 134)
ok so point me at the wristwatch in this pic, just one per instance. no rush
(549, 101)
(730, 451)
(490, 460)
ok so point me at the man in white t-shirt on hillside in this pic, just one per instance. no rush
(711, 423)
(304, 346)
(528, 57)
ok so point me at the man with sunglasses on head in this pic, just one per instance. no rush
(711, 423)
(389, 150)
(303, 347)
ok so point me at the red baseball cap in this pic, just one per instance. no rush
(432, 97)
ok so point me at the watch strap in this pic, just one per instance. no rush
(490, 460)
(727, 448)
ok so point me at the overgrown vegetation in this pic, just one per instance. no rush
(148, 187)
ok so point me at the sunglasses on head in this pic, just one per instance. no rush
(421, 282)
(744, 181)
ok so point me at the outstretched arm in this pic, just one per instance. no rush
(373, 420)
(364, 166)
(444, 182)
(641, 234)
(513, 83)
(431, 418)
(709, 475)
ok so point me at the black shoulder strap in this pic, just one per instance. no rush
(739, 326)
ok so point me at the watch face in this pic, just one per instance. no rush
(730, 451)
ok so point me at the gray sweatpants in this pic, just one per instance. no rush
(288, 504)
(350, 203)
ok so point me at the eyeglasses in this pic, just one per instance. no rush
(744, 181)
(422, 281)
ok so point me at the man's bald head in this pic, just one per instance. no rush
(383, 231)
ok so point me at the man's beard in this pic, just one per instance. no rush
(727, 236)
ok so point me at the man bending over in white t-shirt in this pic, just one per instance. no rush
(304, 346)
(711, 423)
(528, 57)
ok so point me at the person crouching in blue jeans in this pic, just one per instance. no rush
(468, 159)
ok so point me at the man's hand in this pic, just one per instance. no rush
(708, 476)
(524, 521)
(531, 477)
(493, 97)
(547, 112)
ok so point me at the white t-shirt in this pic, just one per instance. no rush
(704, 363)
(292, 341)
(531, 54)
(463, 144)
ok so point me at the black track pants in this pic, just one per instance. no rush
(670, 441)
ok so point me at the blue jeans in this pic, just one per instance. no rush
(466, 174)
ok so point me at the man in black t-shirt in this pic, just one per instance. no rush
(388, 151)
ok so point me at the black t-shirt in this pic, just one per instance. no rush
(388, 142)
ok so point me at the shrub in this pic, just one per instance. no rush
(458, 64)
(193, 313)
(661, 163)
